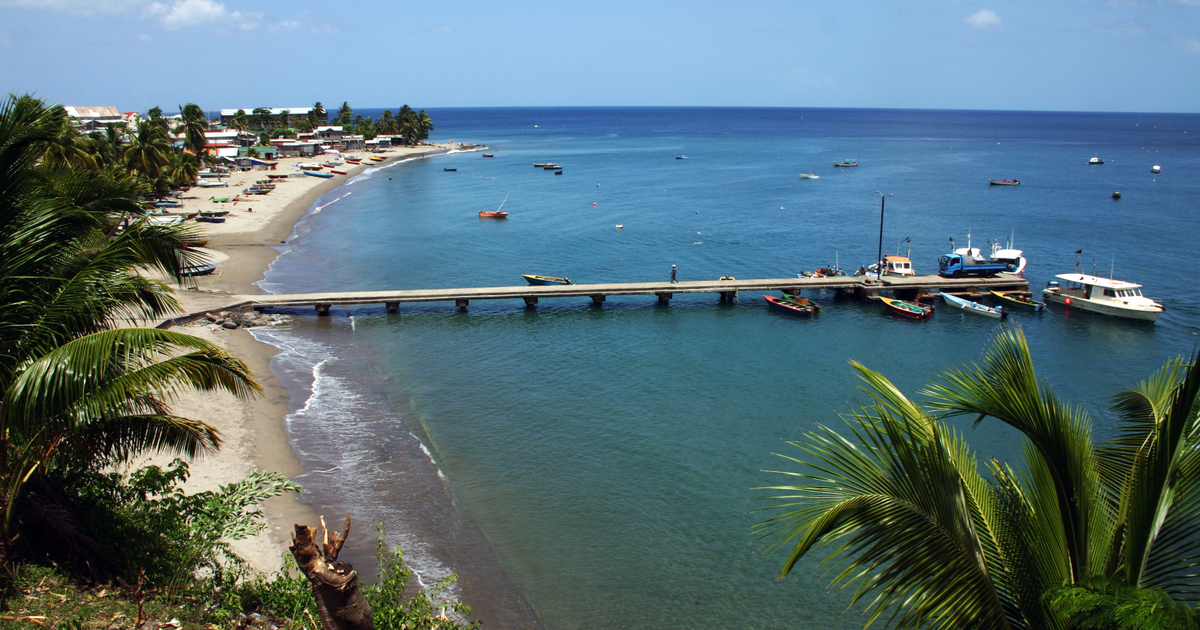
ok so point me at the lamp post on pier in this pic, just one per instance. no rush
(879, 258)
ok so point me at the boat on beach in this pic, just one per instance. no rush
(1105, 296)
(317, 174)
(544, 280)
(211, 184)
(911, 310)
(277, 176)
(809, 176)
(339, 172)
(1018, 300)
(198, 270)
(976, 308)
(792, 306)
(214, 213)
(210, 219)
(1004, 182)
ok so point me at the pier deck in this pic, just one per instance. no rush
(906, 286)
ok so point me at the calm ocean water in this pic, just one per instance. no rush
(597, 464)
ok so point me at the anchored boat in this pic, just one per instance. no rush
(1018, 300)
(1103, 295)
(544, 280)
(911, 310)
(792, 305)
(973, 307)
(1004, 182)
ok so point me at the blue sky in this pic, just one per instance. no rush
(1075, 55)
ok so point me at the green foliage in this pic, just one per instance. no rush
(1102, 604)
(914, 523)
(288, 594)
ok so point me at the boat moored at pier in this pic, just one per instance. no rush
(911, 310)
(544, 280)
(1106, 296)
(976, 308)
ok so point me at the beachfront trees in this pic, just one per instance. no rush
(239, 120)
(424, 125)
(262, 117)
(914, 523)
(77, 389)
(345, 114)
(317, 116)
(192, 125)
(285, 119)
(148, 152)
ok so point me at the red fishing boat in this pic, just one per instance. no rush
(792, 306)
(494, 214)
(911, 310)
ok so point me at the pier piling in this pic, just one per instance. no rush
(664, 298)
(530, 301)
(322, 309)
(392, 307)
(462, 304)
(598, 299)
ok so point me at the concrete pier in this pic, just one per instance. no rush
(726, 291)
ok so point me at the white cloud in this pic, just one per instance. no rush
(283, 25)
(185, 13)
(1189, 45)
(984, 18)
(76, 7)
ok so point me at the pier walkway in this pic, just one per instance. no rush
(908, 287)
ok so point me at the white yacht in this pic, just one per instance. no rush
(1103, 295)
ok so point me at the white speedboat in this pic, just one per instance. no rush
(974, 307)
(211, 184)
(1156, 169)
(1103, 295)
(1095, 161)
(809, 176)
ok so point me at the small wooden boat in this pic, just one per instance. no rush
(809, 176)
(1017, 300)
(484, 214)
(551, 167)
(544, 280)
(281, 176)
(906, 309)
(210, 219)
(542, 164)
(681, 157)
(316, 174)
(209, 184)
(220, 199)
(167, 204)
(1094, 161)
(792, 307)
(558, 172)
(1117, 195)
(375, 158)
(340, 172)
(1004, 182)
(489, 155)
(974, 307)
(354, 160)
(1156, 169)
(214, 213)
(847, 163)
(198, 270)
(449, 170)
(187, 244)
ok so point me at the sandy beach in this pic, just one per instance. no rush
(252, 431)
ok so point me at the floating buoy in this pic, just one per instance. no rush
(593, 203)
(1068, 301)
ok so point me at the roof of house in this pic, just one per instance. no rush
(337, 128)
(106, 111)
(275, 111)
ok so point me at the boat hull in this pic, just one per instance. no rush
(198, 270)
(316, 174)
(791, 308)
(493, 215)
(1066, 298)
(1008, 300)
(974, 308)
(1004, 182)
(544, 280)
(910, 310)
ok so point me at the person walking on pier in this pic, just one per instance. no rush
(673, 271)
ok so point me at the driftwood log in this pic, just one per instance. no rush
(335, 584)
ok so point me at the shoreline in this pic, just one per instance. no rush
(253, 431)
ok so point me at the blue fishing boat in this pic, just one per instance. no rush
(545, 280)
(210, 219)
(318, 174)
(199, 270)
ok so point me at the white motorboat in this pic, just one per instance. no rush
(895, 266)
(211, 184)
(974, 307)
(1156, 169)
(1103, 295)
(809, 176)
(1094, 161)
(1014, 258)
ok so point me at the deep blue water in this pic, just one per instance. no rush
(600, 461)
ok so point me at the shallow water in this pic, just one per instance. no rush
(602, 460)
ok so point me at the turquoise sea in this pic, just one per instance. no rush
(586, 467)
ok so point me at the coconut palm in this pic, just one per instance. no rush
(148, 152)
(345, 114)
(75, 387)
(424, 125)
(194, 124)
(935, 542)
(317, 116)
(239, 121)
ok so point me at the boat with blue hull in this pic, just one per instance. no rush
(319, 174)
(544, 280)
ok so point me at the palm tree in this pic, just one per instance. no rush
(937, 543)
(239, 121)
(386, 124)
(193, 126)
(317, 116)
(345, 114)
(408, 124)
(262, 117)
(75, 387)
(148, 152)
(424, 125)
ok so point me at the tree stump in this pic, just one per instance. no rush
(335, 584)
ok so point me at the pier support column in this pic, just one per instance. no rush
(597, 300)
(462, 304)
(392, 307)
(728, 296)
(664, 298)
(322, 309)
(530, 302)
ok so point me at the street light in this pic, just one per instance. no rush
(879, 259)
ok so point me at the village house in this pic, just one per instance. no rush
(93, 118)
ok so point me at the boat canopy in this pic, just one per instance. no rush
(1082, 278)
